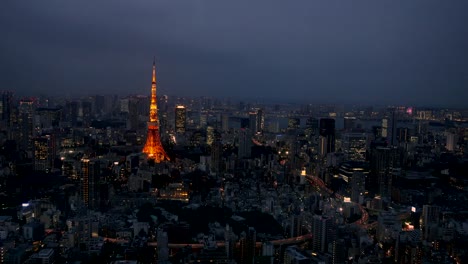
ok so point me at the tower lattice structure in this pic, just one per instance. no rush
(153, 147)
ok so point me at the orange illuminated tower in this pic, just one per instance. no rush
(153, 147)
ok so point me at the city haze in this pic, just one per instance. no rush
(396, 52)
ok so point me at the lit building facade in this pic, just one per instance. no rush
(90, 176)
(44, 153)
(180, 119)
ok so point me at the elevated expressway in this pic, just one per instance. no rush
(319, 182)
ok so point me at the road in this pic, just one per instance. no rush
(319, 182)
(285, 241)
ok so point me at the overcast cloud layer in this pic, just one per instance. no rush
(382, 51)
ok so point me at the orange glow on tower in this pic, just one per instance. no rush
(153, 147)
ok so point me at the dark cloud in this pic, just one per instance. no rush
(408, 52)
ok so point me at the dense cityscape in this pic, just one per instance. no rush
(167, 179)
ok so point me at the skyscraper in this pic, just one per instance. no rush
(354, 146)
(389, 128)
(132, 123)
(451, 141)
(230, 242)
(210, 135)
(383, 161)
(392, 130)
(99, 104)
(323, 232)
(180, 119)
(216, 153)
(260, 120)
(86, 111)
(384, 127)
(253, 122)
(25, 120)
(90, 173)
(358, 186)
(349, 123)
(44, 153)
(429, 220)
(245, 143)
(225, 122)
(48, 118)
(247, 246)
(163, 249)
(153, 147)
(338, 251)
(5, 108)
(312, 127)
(327, 135)
(71, 113)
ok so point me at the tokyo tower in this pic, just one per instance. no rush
(153, 147)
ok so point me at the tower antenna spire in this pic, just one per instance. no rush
(153, 147)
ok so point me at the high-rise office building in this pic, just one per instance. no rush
(245, 143)
(71, 112)
(5, 108)
(358, 186)
(268, 249)
(354, 146)
(384, 127)
(163, 248)
(293, 123)
(229, 242)
(253, 123)
(323, 232)
(132, 120)
(180, 119)
(295, 229)
(389, 128)
(338, 251)
(247, 244)
(210, 135)
(260, 120)
(403, 134)
(48, 118)
(225, 122)
(327, 136)
(44, 153)
(203, 119)
(86, 113)
(99, 103)
(90, 176)
(408, 248)
(26, 126)
(216, 153)
(349, 123)
(164, 125)
(312, 127)
(429, 220)
(383, 161)
(451, 141)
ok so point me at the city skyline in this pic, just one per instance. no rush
(319, 52)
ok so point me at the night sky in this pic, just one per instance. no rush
(343, 51)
